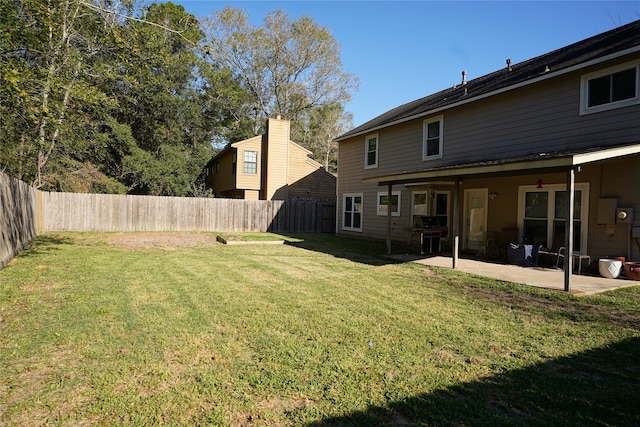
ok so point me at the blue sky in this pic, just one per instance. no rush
(404, 50)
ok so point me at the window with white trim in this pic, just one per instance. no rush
(432, 138)
(431, 203)
(543, 213)
(371, 151)
(352, 212)
(250, 162)
(420, 203)
(611, 88)
(383, 203)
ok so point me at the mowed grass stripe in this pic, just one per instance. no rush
(321, 331)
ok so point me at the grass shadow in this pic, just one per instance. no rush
(596, 387)
(370, 252)
(620, 307)
(46, 243)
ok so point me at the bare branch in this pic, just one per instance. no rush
(144, 21)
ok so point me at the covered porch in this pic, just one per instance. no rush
(508, 170)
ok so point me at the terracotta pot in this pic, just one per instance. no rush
(632, 270)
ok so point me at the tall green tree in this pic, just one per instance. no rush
(288, 66)
(175, 104)
(16, 107)
(47, 50)
(99, 96)
(157, 98)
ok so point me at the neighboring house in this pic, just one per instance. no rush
(494, 156)
(269, 167)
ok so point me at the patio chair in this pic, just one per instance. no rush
(491, 248)
(576, 257)
(556, 251)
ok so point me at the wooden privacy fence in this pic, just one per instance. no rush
(306, 216)
(106, 212)
(18, 216)
(25, 211)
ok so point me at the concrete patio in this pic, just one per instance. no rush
(542, 277)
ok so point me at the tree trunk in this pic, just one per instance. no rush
(58, 56)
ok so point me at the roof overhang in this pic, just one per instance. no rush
(542, 163)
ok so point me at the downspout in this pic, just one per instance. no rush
(568, 229)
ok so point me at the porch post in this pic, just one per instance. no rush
(568, 230)
(389, 218)
(455, 223)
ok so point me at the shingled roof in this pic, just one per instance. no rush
(544, 66)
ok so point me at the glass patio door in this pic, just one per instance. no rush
(475, 221)
(545, 213)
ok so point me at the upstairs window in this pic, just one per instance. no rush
(371, 152)
(612, 88)
(432, 138)
(251, 162)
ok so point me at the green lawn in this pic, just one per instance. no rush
(318, 331)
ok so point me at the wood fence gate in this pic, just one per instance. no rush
(306, 216)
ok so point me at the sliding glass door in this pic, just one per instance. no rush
(543, 214)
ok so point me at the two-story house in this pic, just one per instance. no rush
(503, 155)
(269, 167)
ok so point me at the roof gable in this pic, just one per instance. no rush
(251, 140)
(618, 40)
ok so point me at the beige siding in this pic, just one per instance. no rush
(619, 179)
(307, 178)
(284, 169)
(222, 179)
(350, 173)
(536, 119)
(318, 184)
(249, 181)
(531, 120)
(251, 195)
(277, 155)
(299, 165)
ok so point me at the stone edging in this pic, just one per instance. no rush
(248, 242)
